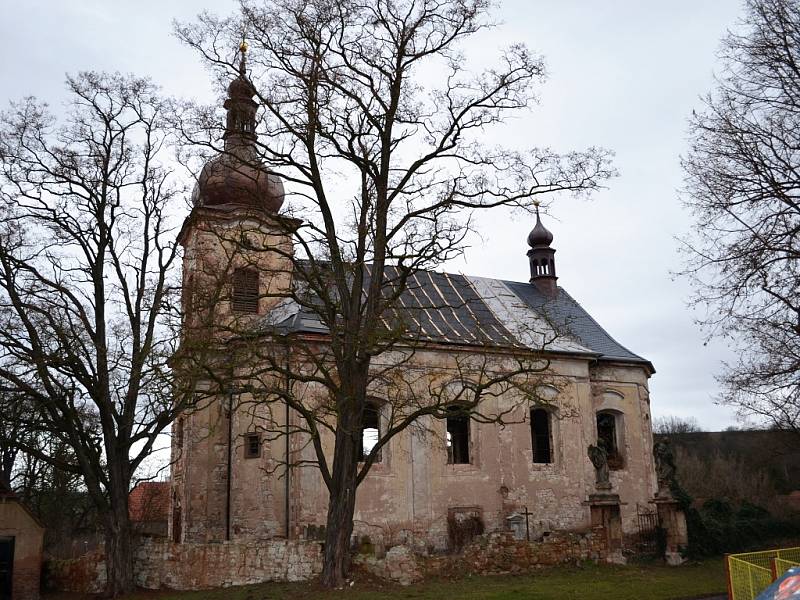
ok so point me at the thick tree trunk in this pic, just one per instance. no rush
(119, 562)
(341, 506)
(119, 545)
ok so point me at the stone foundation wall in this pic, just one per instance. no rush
(502, 553)
(489, 554)
(160, 563)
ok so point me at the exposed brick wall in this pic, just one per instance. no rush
(26, 578)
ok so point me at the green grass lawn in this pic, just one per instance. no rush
(590, 582)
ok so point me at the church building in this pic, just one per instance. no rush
(232, 481)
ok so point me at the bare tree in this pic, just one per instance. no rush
(14, 430)
(743, 186)
(386, 167)
(672, 424)
(87, 315)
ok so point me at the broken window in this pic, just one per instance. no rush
(607, 433)
(244, 296)
(540, 436)
(252, 445)
(370, 431)
(457, 436)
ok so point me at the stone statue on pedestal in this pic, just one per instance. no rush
(599, 457)
(665, 467)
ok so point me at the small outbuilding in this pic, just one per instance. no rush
(148, 507)
(21, 544)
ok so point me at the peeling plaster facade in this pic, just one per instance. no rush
(408, 495)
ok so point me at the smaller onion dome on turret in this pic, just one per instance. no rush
(539, 235)
(542, 258)
(237, 176)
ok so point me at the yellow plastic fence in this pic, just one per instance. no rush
(752, 572)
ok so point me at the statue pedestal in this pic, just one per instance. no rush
(605, 513)
(673, 522)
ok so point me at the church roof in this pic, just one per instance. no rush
(447, 308)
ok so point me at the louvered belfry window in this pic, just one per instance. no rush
(245, 291)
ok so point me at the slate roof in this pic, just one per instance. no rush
(447, 308)
(565, 312)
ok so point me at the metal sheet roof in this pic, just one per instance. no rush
(475, 311)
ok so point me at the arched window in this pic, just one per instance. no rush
(244, 295)
(457, 436)
(608, 433)
(370, 431)
(541, 441)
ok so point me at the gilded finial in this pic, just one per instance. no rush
(242, 52)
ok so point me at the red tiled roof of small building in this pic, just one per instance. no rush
(149, 501)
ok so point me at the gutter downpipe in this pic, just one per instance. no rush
(230, 470)
(287, 465)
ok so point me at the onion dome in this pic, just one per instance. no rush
(237, 176)
(539, 235)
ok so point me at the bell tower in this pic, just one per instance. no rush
(237, 266)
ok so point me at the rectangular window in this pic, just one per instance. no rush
(244, 296)
(457, 437)
(252, 445)
(540, 436)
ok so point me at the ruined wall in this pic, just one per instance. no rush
(28, 536)
(82, 575)
(491, 554)
(159, 563)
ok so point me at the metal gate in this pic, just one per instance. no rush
(648, 526)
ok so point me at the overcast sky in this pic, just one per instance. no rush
(622, 74)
